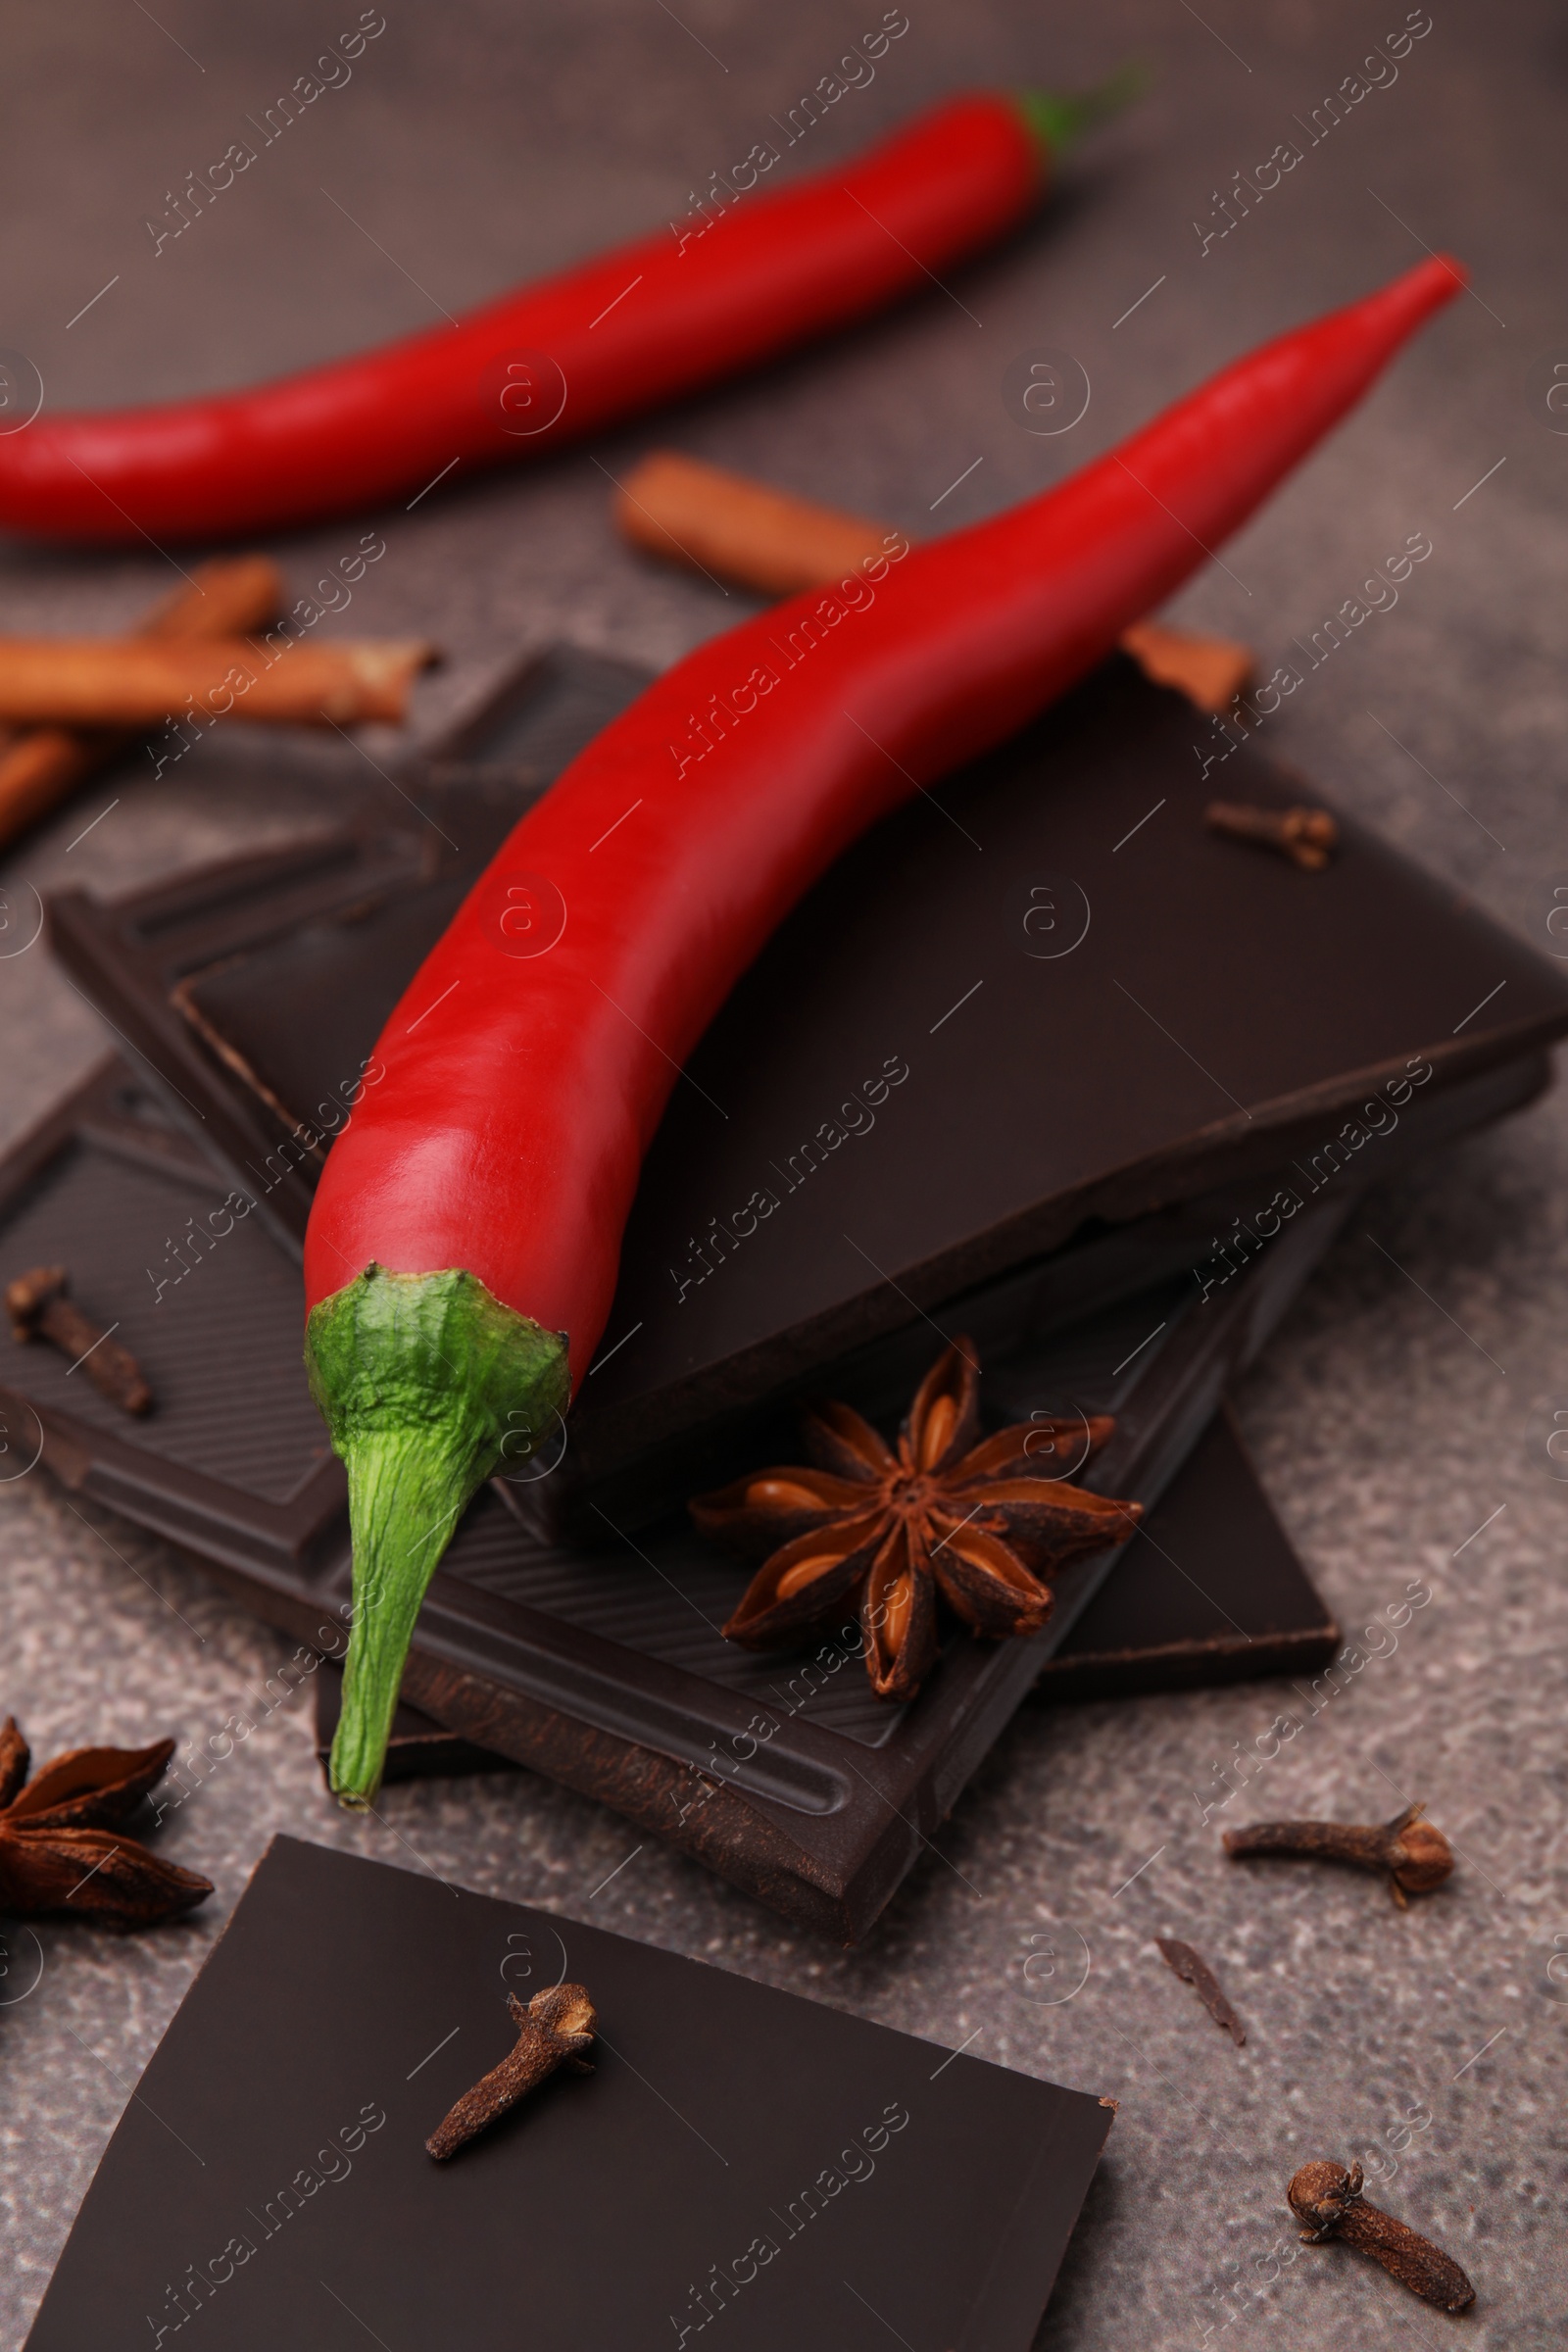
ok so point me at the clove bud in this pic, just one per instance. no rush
(557, 2028)
(1307, 836)
(39, 1309)
(1416, 1856)
(1329, 2199)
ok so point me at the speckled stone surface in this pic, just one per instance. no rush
(1403, 1414)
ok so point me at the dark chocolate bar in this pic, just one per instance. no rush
(596, 1660)
(1210, 1590)
(1017, 1024)
(1115, 1184)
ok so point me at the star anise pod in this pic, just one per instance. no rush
(887, 1528)
(61, 1846)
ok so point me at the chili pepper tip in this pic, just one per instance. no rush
(1415, 293)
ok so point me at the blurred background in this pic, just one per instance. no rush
(479, 146)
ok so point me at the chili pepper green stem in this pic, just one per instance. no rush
(1059, 117)
(424, 1381)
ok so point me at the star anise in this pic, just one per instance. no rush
(61, 1845)
(984, 1523)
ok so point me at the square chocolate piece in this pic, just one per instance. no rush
(737, 2154)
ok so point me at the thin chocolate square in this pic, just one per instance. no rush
(738, 2157)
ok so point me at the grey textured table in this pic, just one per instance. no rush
(1401, 1415)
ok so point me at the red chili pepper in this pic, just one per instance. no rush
(562, 358)
(467, 1229)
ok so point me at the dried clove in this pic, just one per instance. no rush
(1416, 1856)
(39, 1309)
(1193, 1970)
(62, 1847)
(557, 2028)
(1329, 2199)
(1308, 836)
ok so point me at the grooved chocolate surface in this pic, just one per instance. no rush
(216, 1331)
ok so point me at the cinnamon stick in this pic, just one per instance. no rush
(1212, 671)
(139, 682)
(690, 513)
(746, 531)
(227, 596)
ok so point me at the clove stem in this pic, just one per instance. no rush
(1415, 1856)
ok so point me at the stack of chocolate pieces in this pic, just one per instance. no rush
(1043, 1060)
